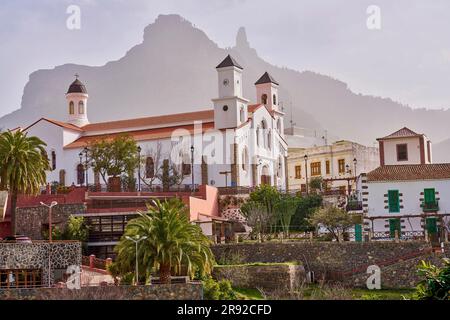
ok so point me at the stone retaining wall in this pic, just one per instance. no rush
(266, 277)
(36, 256)
(190, 291)
(399, 275)
(30, 220)
(327, 259)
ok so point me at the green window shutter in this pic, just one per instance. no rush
(394, 201)
(431, 224)
(358, 233)
(394, 224)
(430, 195)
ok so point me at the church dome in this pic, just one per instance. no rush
(77, 87)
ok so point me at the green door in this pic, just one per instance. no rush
(358, 233)
(431, 226)
(430, 196)
(394, 224)
(394, 201)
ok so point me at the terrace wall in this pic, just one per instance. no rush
(40, 255)
(335, 261)
(30, 220)
(189, 291)
(270, 277)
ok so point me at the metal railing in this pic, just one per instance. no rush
(430, 206)
(143, 188)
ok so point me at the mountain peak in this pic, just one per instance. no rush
(241, 39)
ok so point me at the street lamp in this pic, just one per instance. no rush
(355, 162)
(50, 207)
(136, 241)
(347, 167)
(86, 150)
(139, 149)
(306, 172)
(54, 203)
(192, 167)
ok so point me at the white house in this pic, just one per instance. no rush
(234, 144)
(338, 164)
(407, 193)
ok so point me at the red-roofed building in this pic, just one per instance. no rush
(244, 140)
(407, 196)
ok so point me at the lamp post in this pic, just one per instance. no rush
(50, 207)
(355, 162)
(136, 241)
(86, 150)
(139, 149)
(81, 166)
(192, 167)
(347, 167)
(306, 173)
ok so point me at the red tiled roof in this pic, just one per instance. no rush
(410, 172)
(149, 121)
(58, 123)
(402, 133)
(139, 135)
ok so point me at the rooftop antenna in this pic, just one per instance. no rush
(325, 137)
(292, 118)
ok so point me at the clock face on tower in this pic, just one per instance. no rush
(226, 82)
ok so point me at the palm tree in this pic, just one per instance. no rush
(23, 162)
(172, 242)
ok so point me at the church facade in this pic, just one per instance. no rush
(234, 144)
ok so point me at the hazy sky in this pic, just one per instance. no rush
(407, 60)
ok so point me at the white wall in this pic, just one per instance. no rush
(390, 151)
(411, 195)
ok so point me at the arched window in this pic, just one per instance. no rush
(71, 108)
(244, 159)
(264, 99)
(149, 168)
(280, 166)
(80, 174)
(279, 125)
(274, 99)
(81, 107)
(62, 177)
(264, 129)
(258, 133)
(269, 139)
(53, 160)
(242, 115)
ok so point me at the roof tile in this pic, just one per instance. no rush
(410, 172)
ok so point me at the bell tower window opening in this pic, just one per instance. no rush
(81, 107)
(71, 108)
(264, 99)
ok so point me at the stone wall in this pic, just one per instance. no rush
(190, 291)
(30, 220)
(269, 277)
(326, 259)
(36, 256)
(399, 275)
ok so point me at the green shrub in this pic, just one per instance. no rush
(218, 290)
(436, 285)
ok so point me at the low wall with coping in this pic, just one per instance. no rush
(338, 261)
(30, 220)
(41, 256)
(189, 291)
(269, 277)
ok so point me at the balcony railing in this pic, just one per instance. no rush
(430, 206)
(353, 205)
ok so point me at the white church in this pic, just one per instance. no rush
(234, 144)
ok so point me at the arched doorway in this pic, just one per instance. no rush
(265, 175)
